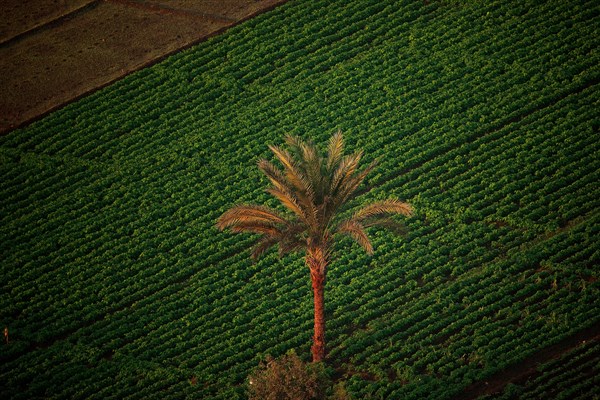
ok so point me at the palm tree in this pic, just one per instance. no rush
(313, 189)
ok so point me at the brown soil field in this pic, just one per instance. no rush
(53, 52)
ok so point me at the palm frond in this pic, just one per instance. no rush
(310, 160)
(288, 239)
(293, 173)
(289, 201)
(384, 207)
(247, 214)
(262, 246)
(335, 151)
(312, 165)
(345, 170)
(307, 161)
(283, 156)
(275, 176)
(279, 181)
(295, 144)
(357, 232)
(327, 210)
(289, 246)
(395, 227)
(256, 227)
(349, 186)
(291, 239)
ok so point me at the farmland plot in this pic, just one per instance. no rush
(485, 117)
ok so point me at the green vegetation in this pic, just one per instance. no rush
(576, 375)
(484, 115)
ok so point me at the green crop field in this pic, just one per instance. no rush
(116, 284)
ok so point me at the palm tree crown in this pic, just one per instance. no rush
(314, 189)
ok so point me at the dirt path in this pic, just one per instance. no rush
(53, 52)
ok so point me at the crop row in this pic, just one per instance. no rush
(574, 375)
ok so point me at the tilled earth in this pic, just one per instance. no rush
(52, 52)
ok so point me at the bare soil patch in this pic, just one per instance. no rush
(20, 16)
(65, 50)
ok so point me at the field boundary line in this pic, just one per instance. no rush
(522, 371)
(51, 24)
(172, 11)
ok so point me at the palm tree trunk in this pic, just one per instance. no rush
(317, 262)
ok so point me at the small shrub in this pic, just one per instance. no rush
(340, 392)
(288, 378)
